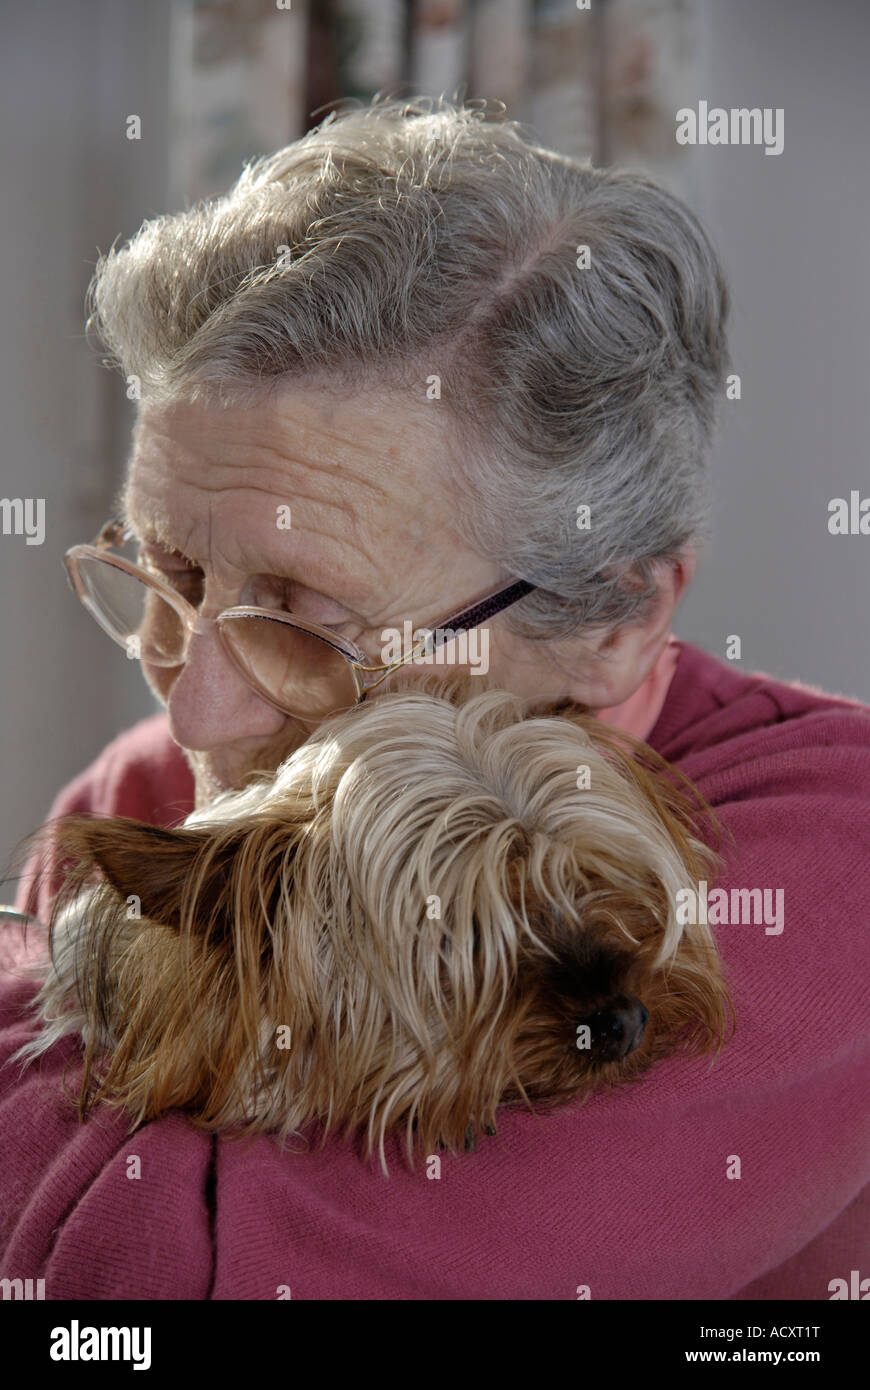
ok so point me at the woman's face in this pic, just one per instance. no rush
(371, 543)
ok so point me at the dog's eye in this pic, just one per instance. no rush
(587, 971)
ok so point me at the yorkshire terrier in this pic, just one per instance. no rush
(443, 903)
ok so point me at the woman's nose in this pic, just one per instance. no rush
(211, 704)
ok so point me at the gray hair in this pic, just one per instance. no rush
(428, 238)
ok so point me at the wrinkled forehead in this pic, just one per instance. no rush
(300, 478)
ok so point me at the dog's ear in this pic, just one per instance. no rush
(148, 862)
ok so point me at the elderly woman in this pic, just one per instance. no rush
(410, 363)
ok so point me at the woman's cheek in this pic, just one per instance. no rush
(161, 679)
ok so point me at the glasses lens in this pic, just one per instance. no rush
(300, 672)
(132, 613)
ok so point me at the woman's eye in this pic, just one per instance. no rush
(188, 583)
(184, 579)
(263, 593)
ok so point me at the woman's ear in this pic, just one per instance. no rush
(609, 667)
(145, 861)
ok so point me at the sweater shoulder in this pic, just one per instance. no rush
(716, 719)
(98, 1210)
(141, 773)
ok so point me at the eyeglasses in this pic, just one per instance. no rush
(301, 668)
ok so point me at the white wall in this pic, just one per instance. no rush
(70, 74)
(793, 232)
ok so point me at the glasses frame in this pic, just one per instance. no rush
(115, 533)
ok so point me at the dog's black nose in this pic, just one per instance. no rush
(617, 1030)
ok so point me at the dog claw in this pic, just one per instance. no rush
(470, 1144)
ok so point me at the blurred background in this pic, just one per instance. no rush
(214, 84)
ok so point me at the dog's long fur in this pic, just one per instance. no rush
(422, 902)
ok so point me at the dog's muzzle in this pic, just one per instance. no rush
(618, 1030)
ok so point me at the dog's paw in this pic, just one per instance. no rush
(471, 1135)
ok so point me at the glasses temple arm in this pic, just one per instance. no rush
(479, 612)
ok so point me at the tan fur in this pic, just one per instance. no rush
(307, 901)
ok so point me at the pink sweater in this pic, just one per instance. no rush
(629, 1196)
